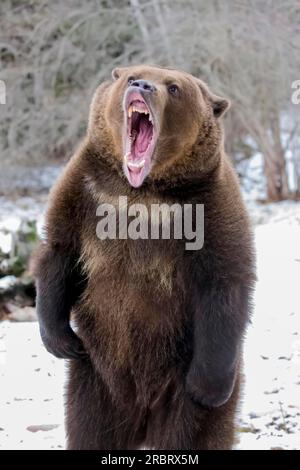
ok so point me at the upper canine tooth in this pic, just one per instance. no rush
(126, 156)
(130, 111)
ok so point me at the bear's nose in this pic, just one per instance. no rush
(144, 85)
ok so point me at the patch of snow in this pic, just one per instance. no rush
(6, 241)
(7, 282)
(271, 406)
(32, 389)
(12, 212)
(11, 224)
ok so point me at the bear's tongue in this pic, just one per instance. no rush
(143, 136)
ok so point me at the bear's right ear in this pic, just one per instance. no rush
(117, 72)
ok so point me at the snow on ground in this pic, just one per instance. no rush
(271, 411)
(25, 208)
(31, 384)
(32, 381)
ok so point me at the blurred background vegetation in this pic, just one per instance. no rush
(54, 54)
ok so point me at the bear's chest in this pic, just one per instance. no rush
(152, 265)
(135, 240)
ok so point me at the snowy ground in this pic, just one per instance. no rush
(271, 411)
(32, 381)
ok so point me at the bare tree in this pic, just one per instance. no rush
(53, 55)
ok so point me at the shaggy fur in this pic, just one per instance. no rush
(156, 358)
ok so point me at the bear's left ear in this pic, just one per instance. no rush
(117, 72)
(219, 105)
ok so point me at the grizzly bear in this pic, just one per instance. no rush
(155, 351)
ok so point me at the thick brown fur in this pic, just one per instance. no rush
(158, 362)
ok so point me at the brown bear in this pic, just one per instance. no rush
(156, 350)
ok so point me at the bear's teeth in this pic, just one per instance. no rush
(134, 109)
(136, 165)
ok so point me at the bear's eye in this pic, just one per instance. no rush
(173, 89)
(130, 80)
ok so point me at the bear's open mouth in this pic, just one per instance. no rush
(139, 138)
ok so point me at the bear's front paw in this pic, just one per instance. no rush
(209, 391)
(64, 344)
